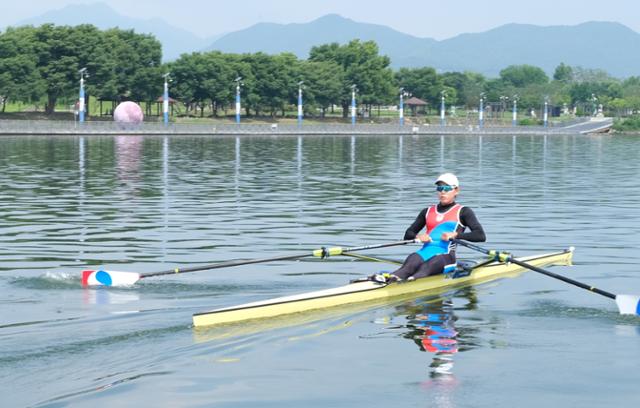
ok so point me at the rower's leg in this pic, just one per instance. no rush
(409, 267)
(435, 265)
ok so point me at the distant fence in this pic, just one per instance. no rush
(50, 127)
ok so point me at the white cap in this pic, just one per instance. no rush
(448, 178)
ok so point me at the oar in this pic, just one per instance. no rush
(117, 278)
(373, 258)
(627, 304)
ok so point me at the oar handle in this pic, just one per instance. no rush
(376, 246)
(507, 257)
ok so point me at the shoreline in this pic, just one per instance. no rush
(104, 128)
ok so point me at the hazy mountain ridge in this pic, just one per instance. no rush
(175, 41)
(610, 46)
(298, 38)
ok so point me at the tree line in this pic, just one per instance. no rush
(41, 65)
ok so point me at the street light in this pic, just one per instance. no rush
(442, 110)
(503, 106)
(238, 84)
(83, 73)
(545, 117)
(300, 102)
(481, 111)
(514, 120)
(401, 109)
(354, 89)
(165, 99)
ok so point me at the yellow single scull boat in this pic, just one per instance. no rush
(365, 291)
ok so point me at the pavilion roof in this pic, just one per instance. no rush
(415, 101)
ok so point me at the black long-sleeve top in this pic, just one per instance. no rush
(467, 219)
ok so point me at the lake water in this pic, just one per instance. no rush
(152, 203)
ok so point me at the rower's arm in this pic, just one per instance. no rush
(476, 232)
(417, 225)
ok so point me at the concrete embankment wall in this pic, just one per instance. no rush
(46, 127)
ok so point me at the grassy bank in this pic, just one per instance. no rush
(631, 124)
(463, 117)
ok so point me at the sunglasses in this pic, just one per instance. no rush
(444, 188)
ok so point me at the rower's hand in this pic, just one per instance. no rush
(448, 236)
(424, 238)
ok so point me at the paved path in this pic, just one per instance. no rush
(595, 125)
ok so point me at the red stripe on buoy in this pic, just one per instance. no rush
(85, 277)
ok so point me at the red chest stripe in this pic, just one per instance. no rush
(434, 218)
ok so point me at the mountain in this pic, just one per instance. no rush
(175, 41)
(612, 47)
(274, 38)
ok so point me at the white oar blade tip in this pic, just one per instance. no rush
(628, 304)
(108, 278)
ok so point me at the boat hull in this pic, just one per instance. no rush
(368, 291)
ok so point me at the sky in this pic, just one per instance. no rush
(422, 18)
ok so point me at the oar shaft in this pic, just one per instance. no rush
(378, 246)
(563, 278)
(323, 252)
(503, 257)
(226, 265)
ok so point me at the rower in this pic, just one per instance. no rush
(445, 221)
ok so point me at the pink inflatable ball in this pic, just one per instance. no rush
(128, 112)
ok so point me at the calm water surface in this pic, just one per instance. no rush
(152, 203)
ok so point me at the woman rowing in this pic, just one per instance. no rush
(445, 221)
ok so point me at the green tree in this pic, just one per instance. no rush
(219, 80)
(563, 73)
(522, 75)
(323, 84)
(131, 67)
(455, 80)
(200, 79)
(581, 74)
(475, 84)
(422, 83)
(19, 77)
(363, 67)
(120, 64)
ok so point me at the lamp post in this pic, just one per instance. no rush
(481, 111)
(545, 115)
(503, 106)
(300, 103)
(401, 109)
(442, 108)
(165, 99)
(82, 72)
(353, 104)
(514, 120)
(238, 83)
